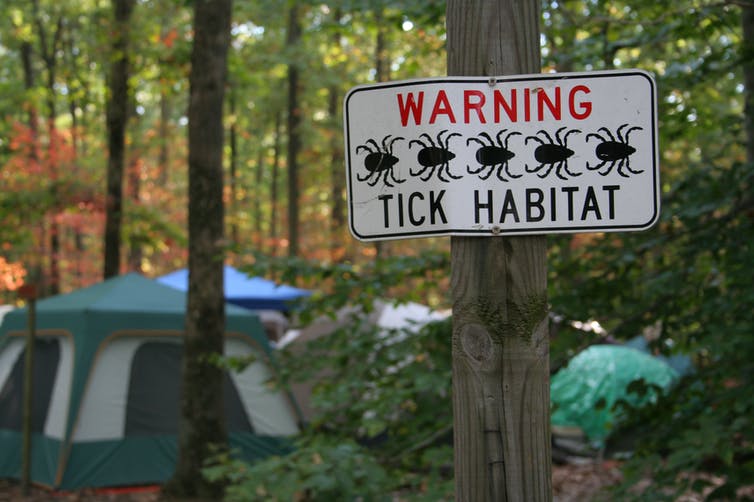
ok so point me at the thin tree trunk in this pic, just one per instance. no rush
(233, 140)
(608, 54)
(258, 180)
(27, 50)
(26, 60)
(135, 251)
(275, 180)
(382, 70)
(48, 52)
(202, 416)
(501, 400)
(747, 15)
(73, 107)
(73, 84)
(337, 174)
(294, 134)
(78, 242)
(117, 118)
(381, 49)
(163, 157)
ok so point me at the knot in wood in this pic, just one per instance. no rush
(476, 342)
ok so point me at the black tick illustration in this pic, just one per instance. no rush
(379, 161)
(434, 156)
(552, 154)
(493, 154)
(614, 151)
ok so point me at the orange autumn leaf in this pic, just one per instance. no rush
(11, 275)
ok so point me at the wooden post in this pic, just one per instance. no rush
(29, 293)
(501, 388)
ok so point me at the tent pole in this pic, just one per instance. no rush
(28, 293)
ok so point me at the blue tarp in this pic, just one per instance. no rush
(253, 293)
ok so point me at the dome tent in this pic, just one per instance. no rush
(107, 384)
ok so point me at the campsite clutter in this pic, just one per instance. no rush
(395, 322)
(107, 383)
(107, 380)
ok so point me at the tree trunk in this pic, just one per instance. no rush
(275, 179)
(202, 417)
(233, 140)
(36, 260)
(258, 216)
(337, 174)
(135, 251)
(73, 105)
(501, 398)
(747, 14)
(338, 184)
(26, 59)
(48, 52)
(163, 158)
(117, 117)
(294, 134)
(381, 49)
(382, 74)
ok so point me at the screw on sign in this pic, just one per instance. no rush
(493, 154)
(554, 154)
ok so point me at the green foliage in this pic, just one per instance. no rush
(149, 229)
(388, 389)
(403, 278)
(391, 384)
(318, 470)
(687, 278)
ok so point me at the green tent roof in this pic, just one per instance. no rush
(130, 301)
(127, 293)
(131, 293)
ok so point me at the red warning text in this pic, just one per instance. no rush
(512, 105)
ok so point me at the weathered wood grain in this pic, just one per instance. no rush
(501, 393)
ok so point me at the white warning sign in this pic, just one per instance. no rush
(526, 154)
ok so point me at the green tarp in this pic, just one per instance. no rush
(584, 393)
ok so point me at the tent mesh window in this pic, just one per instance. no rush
(154, 391)
(45, 368)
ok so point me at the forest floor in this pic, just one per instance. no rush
(570, 483)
